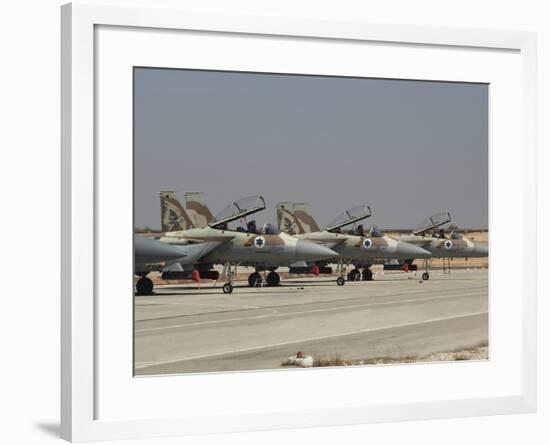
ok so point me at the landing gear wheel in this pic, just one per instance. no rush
(367, 275)
(227, 288)
(354, 275)
(340, 281)
(255, 280)
(425, 276)
(144, 286)
(273, 279)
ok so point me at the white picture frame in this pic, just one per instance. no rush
(82, 328)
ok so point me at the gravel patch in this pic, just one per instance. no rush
(473, 353)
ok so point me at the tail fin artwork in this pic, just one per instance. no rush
(197, 209)
(294, 219)
(172, 215)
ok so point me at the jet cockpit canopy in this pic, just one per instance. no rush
(432, 222)
(238, 209)
(350, 216)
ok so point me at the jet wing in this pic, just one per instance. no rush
(200, 250)
(420, 241)
(332, 244)
(237, 210)
(196, 248)
(149, 250)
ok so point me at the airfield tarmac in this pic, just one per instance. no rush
(180, 329)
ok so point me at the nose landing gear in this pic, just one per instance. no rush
(230, 274)
(426, 274)
(227, 288)
(342, 266)
(446, 265)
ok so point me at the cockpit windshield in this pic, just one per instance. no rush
(238, 209)
(269, 229)
(350, 216)
(432, 222)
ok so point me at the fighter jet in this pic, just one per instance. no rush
(441, 246)
(354, 247)
(150, 255)
(265, 248)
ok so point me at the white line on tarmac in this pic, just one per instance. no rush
(379, 295)
(141, 365)
(178, 303)
(274, 314)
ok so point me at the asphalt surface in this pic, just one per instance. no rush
(181, 329)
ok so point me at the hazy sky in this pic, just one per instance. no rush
(407, 148)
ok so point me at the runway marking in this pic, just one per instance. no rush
(197, 304)
(244, 308)
(312, 311)
(141, 365)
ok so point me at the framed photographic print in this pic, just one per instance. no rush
(278, 222)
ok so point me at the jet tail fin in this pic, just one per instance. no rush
(294, 219)
(197, 208)
(172, 215)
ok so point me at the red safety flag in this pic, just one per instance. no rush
(315, 270)
(196, 276)
(405, 267)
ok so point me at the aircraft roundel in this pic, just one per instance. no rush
(367, 243)
(448, 244)
(259, 242)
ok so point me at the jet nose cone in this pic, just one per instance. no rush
(310, 251)
(407, 250)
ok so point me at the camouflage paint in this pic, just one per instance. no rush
(361, 250)
(448, 248)
(173, 215)
(197, 209)
(237, 247)
(294, 219)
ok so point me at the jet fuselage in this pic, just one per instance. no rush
(243, 248)
(448, 248)
(365, 249)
